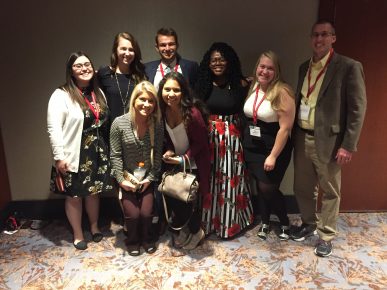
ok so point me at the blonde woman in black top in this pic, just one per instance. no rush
(270, 111)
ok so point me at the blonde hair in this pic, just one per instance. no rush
(145, 87)
(277, 85)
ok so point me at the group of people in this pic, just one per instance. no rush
(105, 126)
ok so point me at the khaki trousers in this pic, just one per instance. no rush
(312, 176)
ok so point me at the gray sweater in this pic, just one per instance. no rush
(126, 150)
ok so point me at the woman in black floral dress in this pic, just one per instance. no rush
(77, 128)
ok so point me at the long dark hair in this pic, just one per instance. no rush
(187, 98)
(71, 87)
(204, 84)
(136, 67)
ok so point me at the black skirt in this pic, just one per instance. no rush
(256, 150)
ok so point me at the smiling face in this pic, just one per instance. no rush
(166, 46)
(322, 39)
(218, 64)
(125, 52)
(265, 72)
(144, 104)
(172, 93)
(82, 71)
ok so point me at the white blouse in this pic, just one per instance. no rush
(180, 140)
(265, 111)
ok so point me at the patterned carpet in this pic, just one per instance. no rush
(46, 259)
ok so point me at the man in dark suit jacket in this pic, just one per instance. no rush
(331, 104)
(167, 45)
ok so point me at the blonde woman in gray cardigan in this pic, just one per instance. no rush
(137, 138)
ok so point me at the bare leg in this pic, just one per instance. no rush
(92, 209)
(73, 207)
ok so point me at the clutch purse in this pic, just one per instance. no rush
(59, 182)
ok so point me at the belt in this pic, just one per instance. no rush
(307, 131)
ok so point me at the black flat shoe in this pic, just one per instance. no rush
(97, 237)
(150, 248)
(134, 250)
(82, 245)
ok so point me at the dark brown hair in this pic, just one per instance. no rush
(137, 68)
(71, 87)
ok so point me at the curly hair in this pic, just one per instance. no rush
(187, 98)
(137, 68)
(204, 84)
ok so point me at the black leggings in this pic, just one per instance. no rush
(270, 198)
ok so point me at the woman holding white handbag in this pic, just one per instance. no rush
(185, 135)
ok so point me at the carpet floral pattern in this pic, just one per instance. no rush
(46, 259)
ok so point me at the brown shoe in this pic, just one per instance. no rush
(183, 238)
(195, 240)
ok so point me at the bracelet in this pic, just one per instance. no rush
(181, 160)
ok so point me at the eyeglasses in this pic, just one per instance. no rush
(220, 60)
(323, 34)
(79, 66)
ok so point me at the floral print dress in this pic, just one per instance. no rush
(93, 175)
(230, 210)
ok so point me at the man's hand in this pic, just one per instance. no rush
(343, 156)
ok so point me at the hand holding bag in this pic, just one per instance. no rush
(181, 185)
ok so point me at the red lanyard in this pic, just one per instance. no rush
(255, 109)
(94, 108)
(162, 70)
(312, 87)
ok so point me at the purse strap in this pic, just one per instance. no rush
(152, 140)
(167, 216)
(186, 159)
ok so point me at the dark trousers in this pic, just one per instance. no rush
(181, 212)
(138, 209)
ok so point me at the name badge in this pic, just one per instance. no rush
(255, 131)
(304, 112)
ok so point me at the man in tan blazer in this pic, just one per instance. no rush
(331, 104)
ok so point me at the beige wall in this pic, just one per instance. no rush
(38, 36)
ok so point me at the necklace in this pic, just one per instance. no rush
(123, 100)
